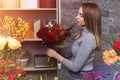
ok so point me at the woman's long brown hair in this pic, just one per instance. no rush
(92, 18)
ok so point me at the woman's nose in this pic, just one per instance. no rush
(76, 16)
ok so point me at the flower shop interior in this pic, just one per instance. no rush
(22, 52)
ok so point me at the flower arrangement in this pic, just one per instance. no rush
(112, 57)
(10, 71)
(8, 46)
(53, 34)
(11, 35)
(114, 43)
(17, 29)
(12, 32)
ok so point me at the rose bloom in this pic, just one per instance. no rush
(88, 77)
(1, 77)
(3, 62)
(117, 77)
(12, 77)
(1, 70)
(20, 70)
(97, 75)
(116, 45)
(7, 71)
(3, 42)
(13, 43)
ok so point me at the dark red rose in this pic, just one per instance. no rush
(64, 32)
(116, 46)
(55, 30)
(57, 40)
(62, 37)
(43, 31)
(52, 35)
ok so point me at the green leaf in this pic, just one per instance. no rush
(118, 63)
(5, 78)
(111, 42)
(114, 39)
(61, 78)
(19, 75)
(61, 44)
(1, 56)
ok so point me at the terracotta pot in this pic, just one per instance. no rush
(47, 3)
(10, 3)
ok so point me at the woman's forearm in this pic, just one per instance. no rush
(58, 57)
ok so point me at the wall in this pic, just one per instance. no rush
(110, 16)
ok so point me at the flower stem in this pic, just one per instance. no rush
(8, 56)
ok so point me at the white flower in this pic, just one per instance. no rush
(3, 42)
(13, 43)
(49, 24)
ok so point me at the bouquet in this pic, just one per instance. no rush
(112, 57)
(53, 34)
(10, 71)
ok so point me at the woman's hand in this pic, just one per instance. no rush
(51, 52)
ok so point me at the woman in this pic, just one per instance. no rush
(87, 41)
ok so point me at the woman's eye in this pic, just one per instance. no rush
(80, 14)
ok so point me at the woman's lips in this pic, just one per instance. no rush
(77, 21)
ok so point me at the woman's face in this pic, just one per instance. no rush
(79, 18)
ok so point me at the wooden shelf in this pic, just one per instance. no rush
(31, 67)
(34, 39)
(34, 46)
(28, 8)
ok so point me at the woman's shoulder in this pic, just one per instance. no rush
(88, 36)
(89, 39)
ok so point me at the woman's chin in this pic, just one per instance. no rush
(77, 23)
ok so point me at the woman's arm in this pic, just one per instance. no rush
(53, 53)
(82, 52)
